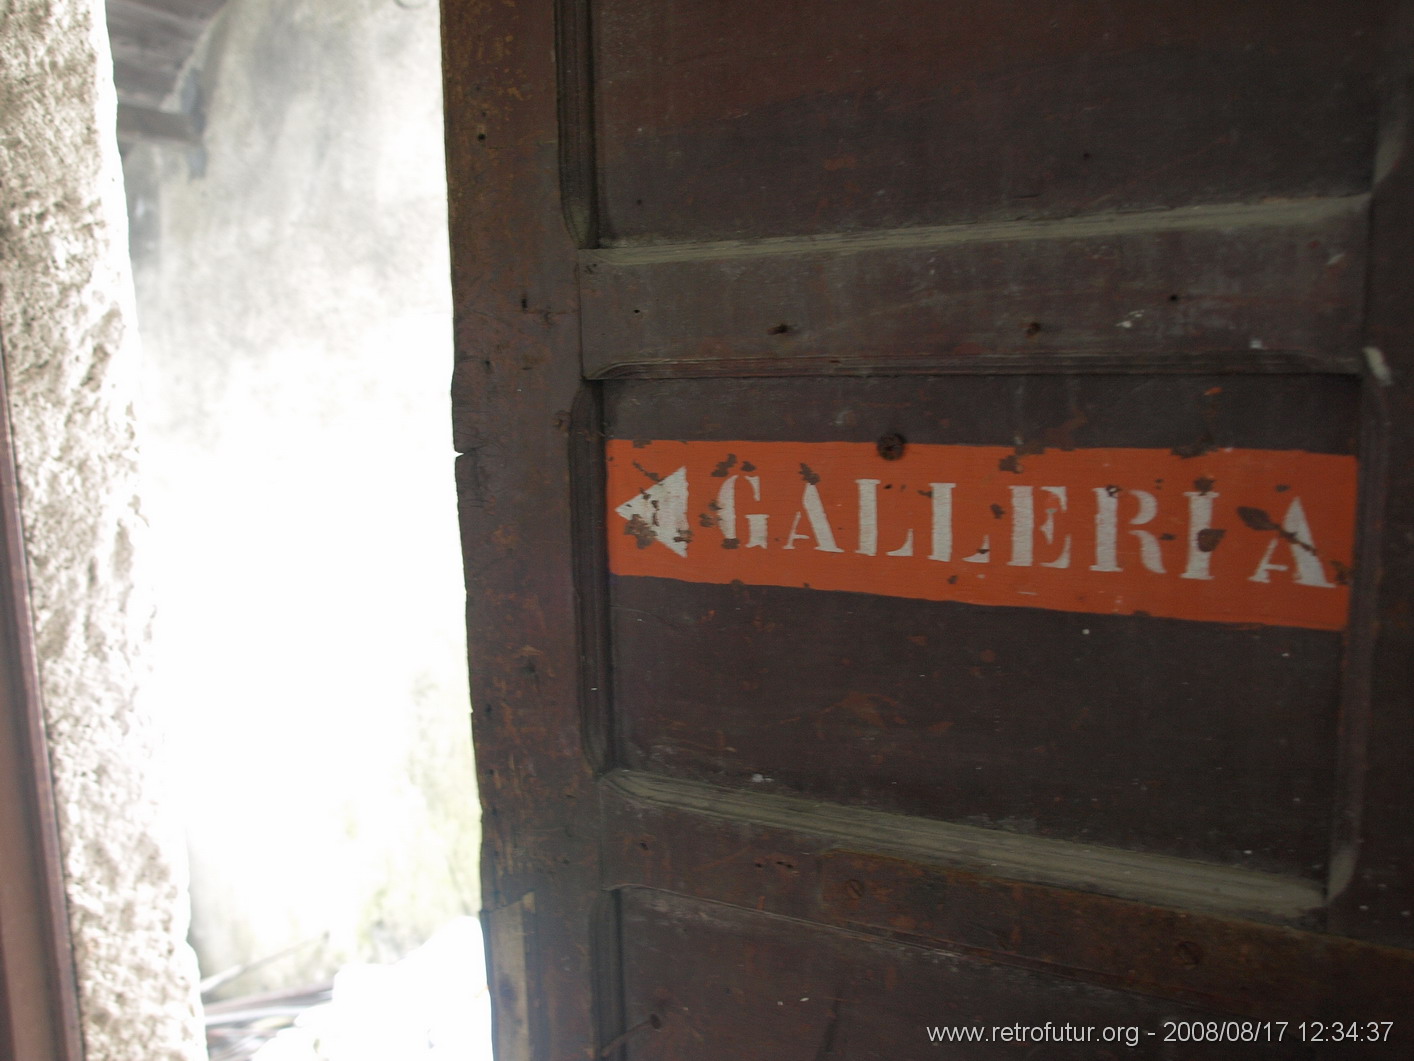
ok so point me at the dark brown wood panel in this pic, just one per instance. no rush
(1314, 413)
(1261, 972)
(1091, 728)
(1373, 878)
(937, 714)
(1232, 287)
(1052, 229)
(516, 335)
(740, 119)
(782, 839)
(758, 986)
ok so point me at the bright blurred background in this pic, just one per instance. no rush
(295, 315)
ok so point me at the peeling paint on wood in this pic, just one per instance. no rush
(1110, 531)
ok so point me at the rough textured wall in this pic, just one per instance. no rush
(65, 317)
(294, 302)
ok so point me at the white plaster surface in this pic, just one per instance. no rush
(296, 314)
(65, 322)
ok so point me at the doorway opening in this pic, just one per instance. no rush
(290, 258)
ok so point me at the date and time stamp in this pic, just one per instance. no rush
(1276, 1031)
(1172, 1031)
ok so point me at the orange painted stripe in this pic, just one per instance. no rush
(1222, 537)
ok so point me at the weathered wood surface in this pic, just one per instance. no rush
(1169, 226)
(730, 120)
(1241, 288)
(514, 388)
(1088, 727)
(1372, 878)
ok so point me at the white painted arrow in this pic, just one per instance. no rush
(659, 513)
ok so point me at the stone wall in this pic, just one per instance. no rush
(66, 323)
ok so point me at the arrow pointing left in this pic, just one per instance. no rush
(659, 513)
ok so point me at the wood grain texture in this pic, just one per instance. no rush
(1372, 879)
(734, 119)
(762, 987)
(1087, 728)
(514, 386)
(1066, 226)
(796, 870)
(993, 853)
(1237, 288)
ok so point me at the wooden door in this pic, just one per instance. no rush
(937, 524)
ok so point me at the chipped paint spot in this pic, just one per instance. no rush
(1086, 530)
(641, 532)
(724, 467)
(1378, 366)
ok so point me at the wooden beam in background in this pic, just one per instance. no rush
(137, 124)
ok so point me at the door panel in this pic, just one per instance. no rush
(1273, 287)
(734, 120)
(760, 986)
(1088, 725)
(935, 521)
